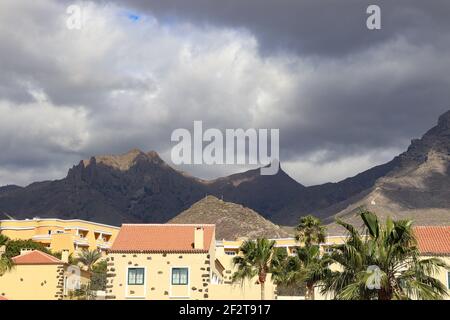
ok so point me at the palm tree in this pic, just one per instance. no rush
(310, 231)
(285, 268)
(387, 254)
(314, 268)
(3, 240)
(5, 262)
(5, 265)
(285, 274)
(89, 258)
(307, 269)
(256, 258)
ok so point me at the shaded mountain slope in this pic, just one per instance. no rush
(232, 220)
(141, 187)
(417, 188)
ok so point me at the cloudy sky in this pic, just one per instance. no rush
(345, 98)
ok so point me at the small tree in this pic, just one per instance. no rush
(3, 240)
(5, 262)
(255, 259)
(312, 265)
(13, 247)
(285, 274)
(310, 231)
(314, 268)
(302, 272)
(5, 265)
(98, 278)
(88, 258)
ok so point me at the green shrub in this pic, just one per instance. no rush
(13, 247)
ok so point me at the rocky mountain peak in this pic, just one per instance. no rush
(441, 132)
(444, 120)
(125, 161)
(417, 187)
(139, 187)
(435, 140)
(153, 155)
(232, 220)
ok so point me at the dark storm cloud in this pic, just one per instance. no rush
(356, 108)
(344, 98)
(325, 27)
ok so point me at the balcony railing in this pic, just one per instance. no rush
(81, 242)
(103, 244)
(40, 237)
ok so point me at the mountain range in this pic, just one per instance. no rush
(141, 187)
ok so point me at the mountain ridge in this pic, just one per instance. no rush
(417, 188)
(232, 220)
(140, 187)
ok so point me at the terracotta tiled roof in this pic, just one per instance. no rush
(433, 240)
(36, 257)
(161, 238)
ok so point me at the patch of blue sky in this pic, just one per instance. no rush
(130, 16)
(165, 20)
(133, 17)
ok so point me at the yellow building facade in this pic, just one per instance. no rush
(162, 261)
(209, 273)
(159, 262)
(231, 247)
(173, 261)
(38, 276)
(59, 235)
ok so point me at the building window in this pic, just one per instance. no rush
(180, 276)
(448, 280)
(136, 276)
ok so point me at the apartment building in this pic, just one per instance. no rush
(59, 235)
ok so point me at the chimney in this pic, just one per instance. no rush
(65, 256)
(25, 251)
(198, 238)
